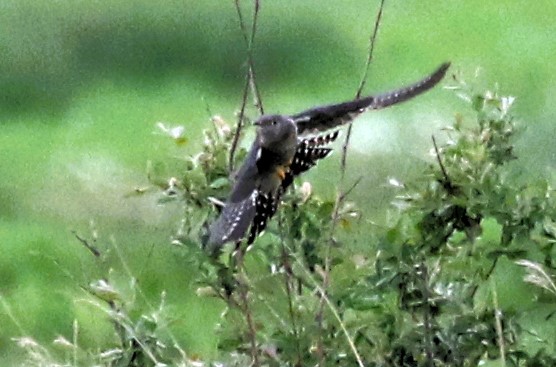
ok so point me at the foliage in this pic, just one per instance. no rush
(439, 286)
(445, 283)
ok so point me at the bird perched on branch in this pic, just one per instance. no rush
(279, 153)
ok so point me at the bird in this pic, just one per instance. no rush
(280, 152)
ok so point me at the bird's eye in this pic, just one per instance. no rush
(273, 122)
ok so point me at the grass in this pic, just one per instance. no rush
(76, 135)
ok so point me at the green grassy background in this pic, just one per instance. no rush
(82, 85)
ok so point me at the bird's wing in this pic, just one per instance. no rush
(308, 152)
(247, 178)
(240, 208)
(233, 222)
(328, 117)
(265, 208)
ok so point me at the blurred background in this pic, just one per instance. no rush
(83, 84)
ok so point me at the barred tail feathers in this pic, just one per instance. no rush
(403, 94)
(233, 223)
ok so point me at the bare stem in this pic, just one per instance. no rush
(243, 292)
(372, 42)
(439, 159)
(341, 196)
(326, 276)
(87, 245)
(498, 323)
(289, 281)
(250, 79)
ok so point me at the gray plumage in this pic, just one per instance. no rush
(327, 117)
(278, 154)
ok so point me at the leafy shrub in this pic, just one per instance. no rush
(441, 285)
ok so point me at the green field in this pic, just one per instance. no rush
(83, 84)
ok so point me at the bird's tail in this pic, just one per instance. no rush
(403, 94)
(232, 224)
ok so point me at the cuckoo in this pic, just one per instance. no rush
(280, 152)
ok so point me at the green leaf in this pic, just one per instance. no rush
(512, 292)
(491, 234)
(492, 363)
(219, 183)
(539, 326)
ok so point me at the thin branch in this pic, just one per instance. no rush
(9, 313)
(439, 159)
(243, 290)
(249, 44)
(125, 323)
(423, 275)
(239, 127)
(87, 245)
(340, 199)
(257, 94)
(250, 80)
(372, 42)
(321, 290)
(350, 189)
(255, 90)
(498, 323)
(289, 279)
(446, 182)
(139, 290)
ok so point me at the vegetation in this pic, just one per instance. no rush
(445, 283)
(458, 271)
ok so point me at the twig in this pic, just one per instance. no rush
(341, 197)
(446, 182)
(239, 126)
(288, 283)
(249, 44)
(87, 245)
(335, 313)
(124, 322)
(139, 290)
(424, 278)
(498, 323)
(372, 42)
(346, 193)
(9, 313)
(439, 159)
(243, 290)
(326, 276)
(250, 80)
(75, 335)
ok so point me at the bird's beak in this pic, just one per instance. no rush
(257, 123)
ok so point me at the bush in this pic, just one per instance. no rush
(445, 283)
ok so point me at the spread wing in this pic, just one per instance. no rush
(266, 205)
(249, 208)
(328, 117)
(308, 152)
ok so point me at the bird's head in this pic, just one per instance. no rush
(276, 129)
